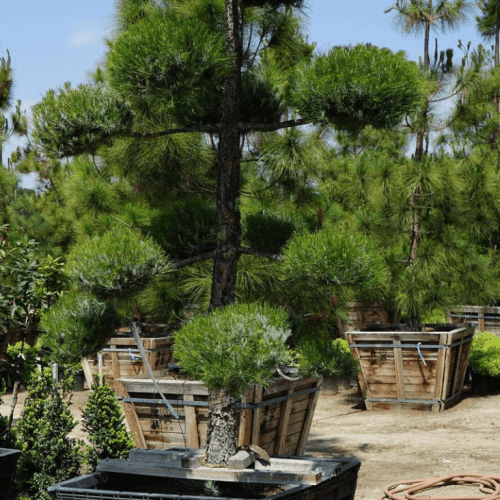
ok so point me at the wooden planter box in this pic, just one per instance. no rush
(277, 419)
(8, 462)
(363, 313)
(484, 319)
(163, 475)
(117, 361)
(412, 370)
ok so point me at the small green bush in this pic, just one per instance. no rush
(115, 263)
(48, 455)
(234, 347)
(485, 354)
(317, 357)
(103, 420)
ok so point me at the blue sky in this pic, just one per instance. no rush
(53, 41)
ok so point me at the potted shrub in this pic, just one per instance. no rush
(484, 361)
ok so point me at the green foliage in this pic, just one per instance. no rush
(186, 228)
(76, 326)
(234, 347)
(171, 63)
(333, 259)
(350, 88)
(48, 455)
(268, 231)
(20, 362)
(7, 436)
(317, 356)
(6, 82)
(74, 121)
(485, 354)
(115, 263)
(103, 420)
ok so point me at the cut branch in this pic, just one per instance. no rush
(254, 251)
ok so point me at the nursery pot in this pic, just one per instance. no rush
(79, 380)
(178, 473)
(483, 385)
(8, 462)
(419, 370)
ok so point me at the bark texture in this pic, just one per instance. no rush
(221, 445)
(228, 180)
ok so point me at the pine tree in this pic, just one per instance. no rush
(196, 67)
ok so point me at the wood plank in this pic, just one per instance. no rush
(362, 376)
(398, 369)
(307, 424)
(191, 424)
(210, 473)
(257, 398)
(241, 460)
(131, 416)
(457, 382)
(87, 372)
(115, 367)
(270, 437)
(245, 424)
(99, 365)
(167, 386)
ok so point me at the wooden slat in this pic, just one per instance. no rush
(191, 424)
(87, 372)
(307, 424)
(398, 368)
(166, 386)
(245, 426)
(115, 367)
(362, 376)
(131, 416)
(257, 398)
(283, 423)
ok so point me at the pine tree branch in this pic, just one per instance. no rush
(216, 128)
(259, 253)
(192, 260)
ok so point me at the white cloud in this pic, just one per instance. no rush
(84, 38)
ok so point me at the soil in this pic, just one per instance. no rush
(392, 446)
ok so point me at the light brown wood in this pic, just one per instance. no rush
(308, 421)
(283, 424)
(131, 416)
(398, 368)
(115, 367)
(193, 440)
(257, 398)
(99, 364)
(245, 425)
(87, 372)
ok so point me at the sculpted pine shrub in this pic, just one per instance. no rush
(48, 455)
(103, 420)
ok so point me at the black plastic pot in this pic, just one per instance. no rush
(482, 385)
(79, 380)
(8, 462)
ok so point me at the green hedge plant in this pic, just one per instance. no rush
(485, 354)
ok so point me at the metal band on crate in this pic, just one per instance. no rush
(245, 406)
(412, 346)
(388, 400)
(475, 316)
(109, 349)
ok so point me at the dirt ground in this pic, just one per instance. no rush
(392, 446)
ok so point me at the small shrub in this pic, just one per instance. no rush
(103, 420)
(234, 347)
(48, 455)
(485, 354)
(316, 357)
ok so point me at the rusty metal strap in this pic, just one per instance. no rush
(245, 406)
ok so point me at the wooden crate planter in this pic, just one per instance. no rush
(412, 370)
(363, 313)
(163, 475)
(484, 319)
(277, 419)
(117, 361)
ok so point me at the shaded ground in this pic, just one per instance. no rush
(392, 446)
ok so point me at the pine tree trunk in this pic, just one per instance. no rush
(221, 445)
(228, 180)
